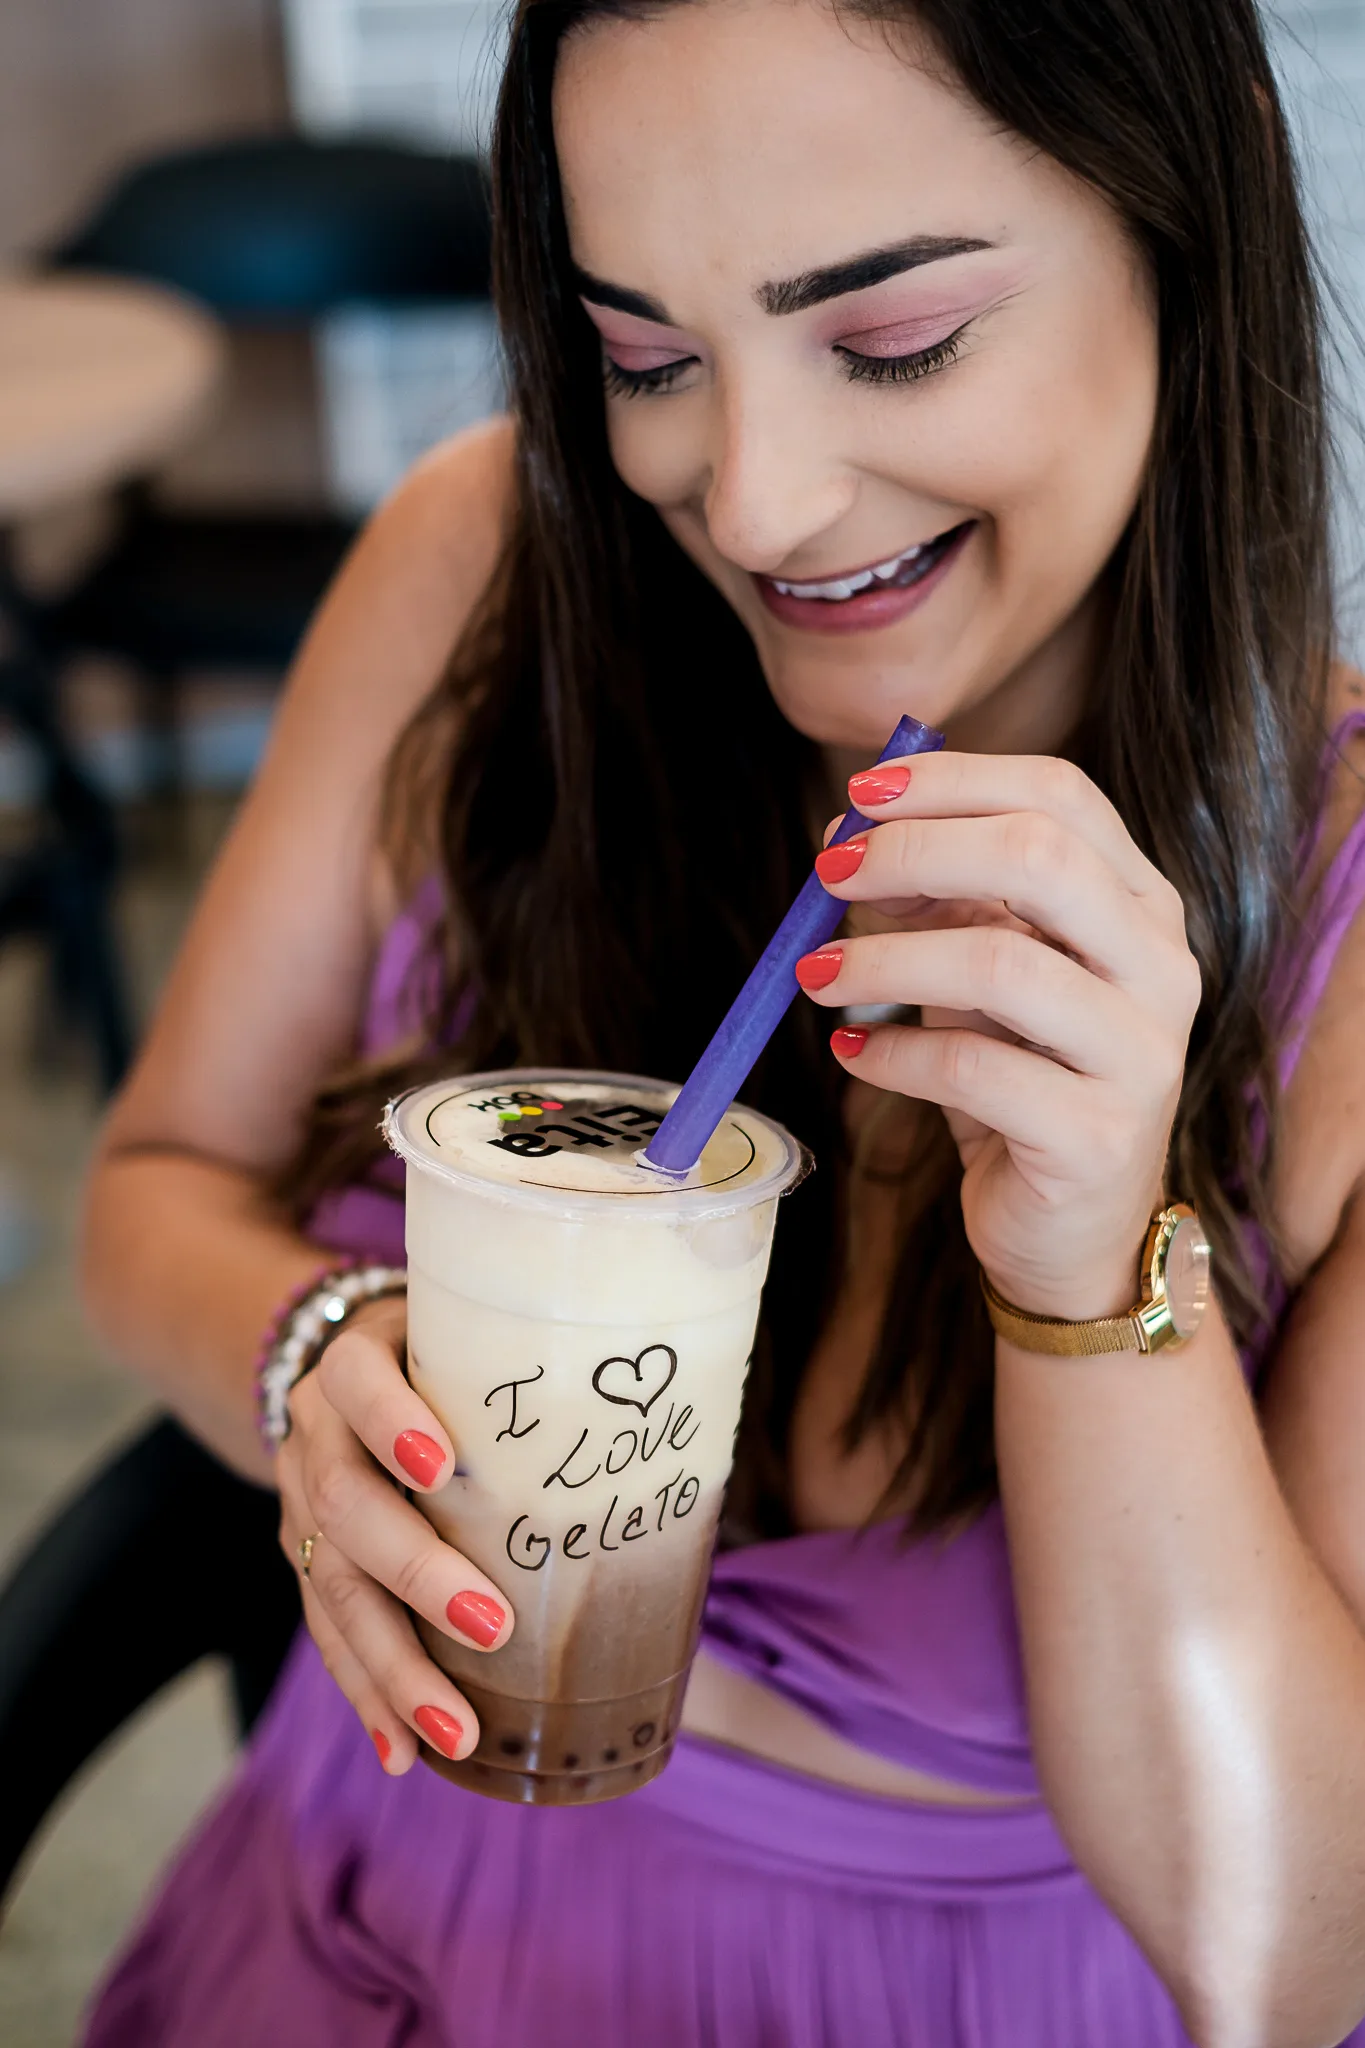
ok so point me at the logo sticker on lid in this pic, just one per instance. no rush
(533, 1126)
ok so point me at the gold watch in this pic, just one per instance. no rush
(1175, 1294)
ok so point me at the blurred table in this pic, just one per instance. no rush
(100, 381)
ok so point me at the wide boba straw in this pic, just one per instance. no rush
(766, 996)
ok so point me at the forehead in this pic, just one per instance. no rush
(725, 141)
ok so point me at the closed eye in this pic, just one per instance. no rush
(644, 372)
(635, 371)
(863, 368)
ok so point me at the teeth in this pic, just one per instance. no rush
(847, 586)
(884, 571)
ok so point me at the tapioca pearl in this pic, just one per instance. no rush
(511, 1745)
(610, 1756)
(643, 1735)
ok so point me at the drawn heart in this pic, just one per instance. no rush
(649, 1374)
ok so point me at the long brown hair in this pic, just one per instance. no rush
(608, 884)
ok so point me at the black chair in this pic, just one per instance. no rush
(58, 884)
(267, 231)
(164, 1559)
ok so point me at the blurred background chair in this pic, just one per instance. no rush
(97, 383)
(270, 231)
(163, 1559)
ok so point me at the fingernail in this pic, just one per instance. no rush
(878, 785)
(818, 970)
(848, 1041)
(382, 1744)
(420, 1456)
(442, 1730)
(477, 1617)
(837, 863)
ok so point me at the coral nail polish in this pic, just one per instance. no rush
(442, 1730)
(837, 863)
(848, 1041)
(382, 1744)
(477, 1617)
(818, 970)
(420, 1456)
(878, 785)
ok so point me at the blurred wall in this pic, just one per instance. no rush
(84, 84)
(88, 85)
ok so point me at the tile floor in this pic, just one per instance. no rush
(61, 1411)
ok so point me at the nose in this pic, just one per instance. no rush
(773, 485)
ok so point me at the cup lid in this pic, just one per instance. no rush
(564, 1139)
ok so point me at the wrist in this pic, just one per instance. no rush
(1165, 1308)
(384, 1315)
(1073, 1297)
(305, 1324)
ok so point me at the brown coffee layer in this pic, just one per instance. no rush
(567, 1753)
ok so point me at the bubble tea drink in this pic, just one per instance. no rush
(582, 1327)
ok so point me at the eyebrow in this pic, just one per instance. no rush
(874, 266)
(798, 294)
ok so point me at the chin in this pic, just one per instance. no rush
(856, 707)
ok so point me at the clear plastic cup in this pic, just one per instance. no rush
(582, 1326)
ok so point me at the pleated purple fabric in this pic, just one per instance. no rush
(326, 1906)
(728, 1905)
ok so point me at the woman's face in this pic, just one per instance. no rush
(888, 374)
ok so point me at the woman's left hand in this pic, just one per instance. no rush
(1021, 907)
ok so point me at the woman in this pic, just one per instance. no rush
(959, 359)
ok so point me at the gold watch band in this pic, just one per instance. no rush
(1059, 1339)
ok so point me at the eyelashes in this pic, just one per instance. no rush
(859, 369)
(902, 369)
(622, 383)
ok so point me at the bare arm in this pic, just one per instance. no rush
(1195, 1669)
(1202, 1730)
(1196, 1685)
(184, 1260)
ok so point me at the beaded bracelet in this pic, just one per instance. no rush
(304, 1325)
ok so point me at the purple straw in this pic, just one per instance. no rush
(766, 996)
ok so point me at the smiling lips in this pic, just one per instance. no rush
(871, 596)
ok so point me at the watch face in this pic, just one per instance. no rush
(1186, 1275)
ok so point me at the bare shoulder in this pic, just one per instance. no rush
(1322, 1165)
(453, 504)
(412, 580)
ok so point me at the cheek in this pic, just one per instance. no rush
(1050, 436)
(1090, 435)
(658, 448)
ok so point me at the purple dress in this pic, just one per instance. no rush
(731, 1903)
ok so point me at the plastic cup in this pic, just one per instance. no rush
(582, 1327)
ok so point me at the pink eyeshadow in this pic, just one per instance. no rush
(901, 337)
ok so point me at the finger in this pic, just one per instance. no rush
(1046, 876)
(1034, 1104)
(947, 785)
(381, 1656)
(362, 1379)
(1016, 980)
(357, 1508)
(392, 1738)
(394, 1741)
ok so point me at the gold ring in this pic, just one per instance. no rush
(306, 1553)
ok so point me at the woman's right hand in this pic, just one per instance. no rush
(356, 1428)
